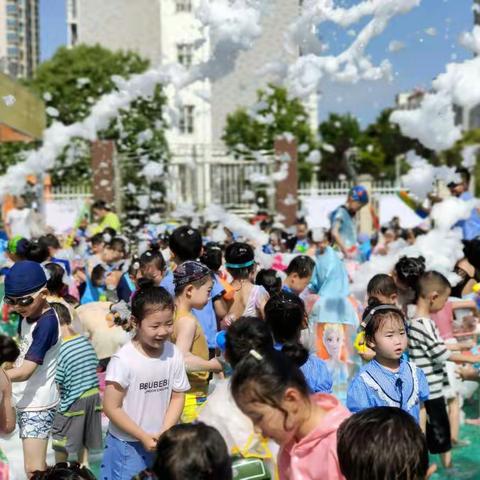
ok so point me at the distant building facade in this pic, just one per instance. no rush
(19, 37)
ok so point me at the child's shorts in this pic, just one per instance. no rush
(438, 426)
(122, 460)
(80, 426)
(35, 424)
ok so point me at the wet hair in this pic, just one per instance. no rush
(409, 270)
(269, 279)
(239, 253)
(149, 297)
(50, 240)
(464, 174)
(302, 265)
(471, 250)
(97, 239)
(153, 255)
(185, 243)
(245, 334)
(98, 275)
(119, 244)
(373, 317)
(194, 452)
(212, 256)
(55, 283)
(431, 282)
(9, 350)
(265, 377)
(109, 232)
(63, 314)
(382, 284)
(365, 440)
(37, 251)
(65, 471)
(99, 205)
(285, 315)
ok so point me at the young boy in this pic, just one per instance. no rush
(343, 227)
(299, 272)
(77, 427)
(193, 284)
(364, 446)
(33, 375)
(429, 352)
(186, 244)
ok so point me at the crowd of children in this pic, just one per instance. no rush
(207, 367)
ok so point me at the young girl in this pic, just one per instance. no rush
(193, 284)
(9, 352)
(249, 300)
(270, 280)
(192, 452)
(406, 274)
(286, 317)
(220, 410)
(273, 392)
(153, 265)
(146, 381)
(387, 380)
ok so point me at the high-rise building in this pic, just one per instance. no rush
(19, 37)
(167, 31)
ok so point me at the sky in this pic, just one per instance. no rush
(429, 34)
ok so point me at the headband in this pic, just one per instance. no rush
(240, 265)
(381, 308)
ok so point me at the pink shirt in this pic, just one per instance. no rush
(314, 457)
(444, 321)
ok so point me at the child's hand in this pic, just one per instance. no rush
(467, 344)
(149, 443)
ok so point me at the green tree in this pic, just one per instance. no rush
(453, 156)
(255, 129)
(72, 81)
(392, 142)
(339, 134)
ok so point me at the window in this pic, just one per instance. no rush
(186, 123)
(183, 5)
(185, 54)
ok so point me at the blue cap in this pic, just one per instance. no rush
(24, 278)
(359, 194)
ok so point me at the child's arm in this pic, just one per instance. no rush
(22, 373)
(112, 406)
(174, 411)
(464, 304)
(458, 347)
(461, 358)
(186, 327)
(7, 412)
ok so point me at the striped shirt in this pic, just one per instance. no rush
(76, 370)
(428, 351)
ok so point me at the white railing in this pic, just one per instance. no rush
(341, 188)
(70, 192)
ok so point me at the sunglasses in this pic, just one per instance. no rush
(21, 301)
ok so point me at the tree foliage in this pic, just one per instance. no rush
(256, 129)
(72, 81)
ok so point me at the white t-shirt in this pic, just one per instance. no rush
(19, 223)
(149, 383)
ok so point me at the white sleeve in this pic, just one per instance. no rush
(180, 380)
(118, 372)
